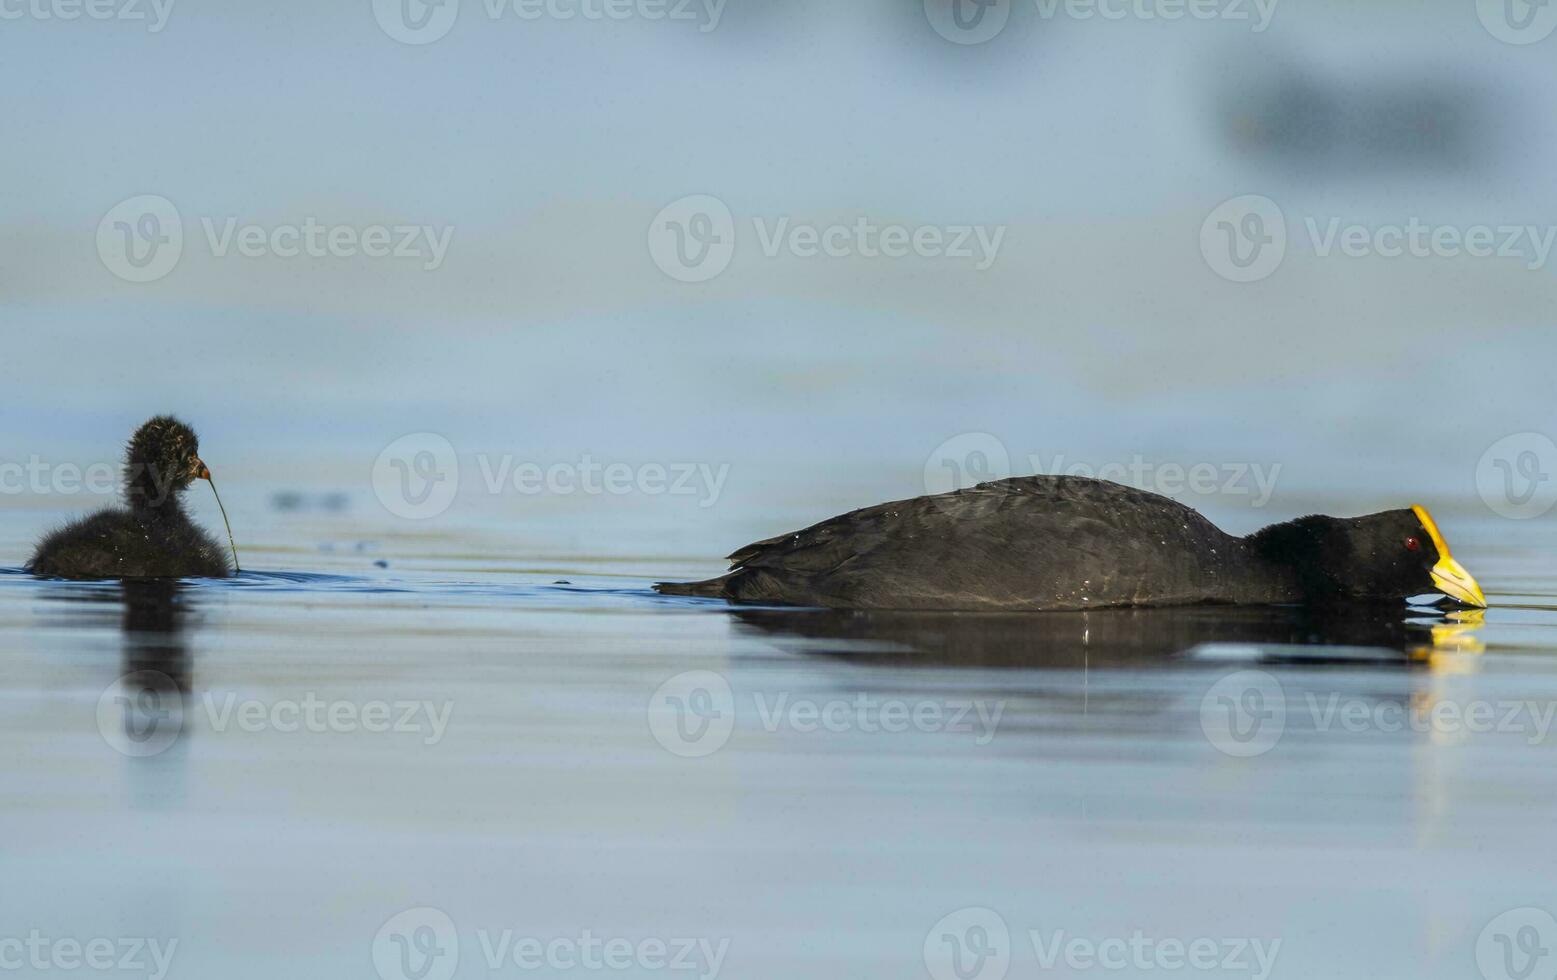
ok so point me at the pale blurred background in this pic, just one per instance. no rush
(545, 148)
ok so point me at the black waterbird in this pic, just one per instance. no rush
(1064, 542)
(151, 536)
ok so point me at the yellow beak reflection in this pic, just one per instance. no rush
(1450, 576)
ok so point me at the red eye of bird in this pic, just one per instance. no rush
(1412, 544)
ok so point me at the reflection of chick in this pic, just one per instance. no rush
(151, 537)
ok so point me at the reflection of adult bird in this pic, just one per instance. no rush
(1133, 637)
(1059, 542)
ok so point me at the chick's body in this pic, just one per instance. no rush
(117, 543)
(151, 536)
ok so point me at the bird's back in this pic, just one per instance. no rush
(1039, 542)
(115, 543)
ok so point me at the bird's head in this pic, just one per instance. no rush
(163, 459)
(1391, 555)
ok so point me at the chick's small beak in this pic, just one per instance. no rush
(1455, 582)
(201, 473)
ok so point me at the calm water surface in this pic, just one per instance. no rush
(570, 756)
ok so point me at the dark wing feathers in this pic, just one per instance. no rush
(1027, 542)
(837, 539)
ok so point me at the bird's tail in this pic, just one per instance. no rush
(714, 588)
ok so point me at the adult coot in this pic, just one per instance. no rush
(1063, 542)
(151, 536)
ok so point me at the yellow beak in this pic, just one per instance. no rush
(1455, 582)
(1450, 576)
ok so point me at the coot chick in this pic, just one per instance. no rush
(1064, 542)
(150, 537)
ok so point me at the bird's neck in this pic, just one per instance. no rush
(152, 496)
(1287, 560)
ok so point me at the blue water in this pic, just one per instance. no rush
(1075, 773)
